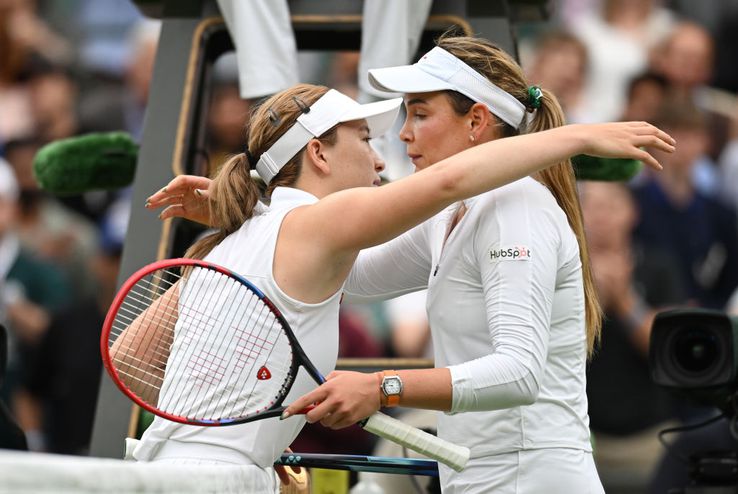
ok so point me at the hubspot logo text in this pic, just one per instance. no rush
(516, 253)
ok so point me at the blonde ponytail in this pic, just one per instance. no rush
(560, 180)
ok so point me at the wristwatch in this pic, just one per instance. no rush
(391, 387)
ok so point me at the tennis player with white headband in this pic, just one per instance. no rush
(311, 146)
(511, 300)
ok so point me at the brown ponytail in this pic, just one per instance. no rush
(234, 195)
(233, 192)
(561, 182)
(504, 72)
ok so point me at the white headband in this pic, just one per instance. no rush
(329, 110)
(439, 70)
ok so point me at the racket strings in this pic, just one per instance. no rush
(202, 370)
(140, 298)
(161, 349)
(248, 347)
(259, 348)
(226, 380)
(142, 353)
(199, 346)
(173, 364)
(275, 329)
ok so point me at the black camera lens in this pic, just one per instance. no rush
(696, 351)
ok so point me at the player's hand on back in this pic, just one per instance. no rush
(185, 196)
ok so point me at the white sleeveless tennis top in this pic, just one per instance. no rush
(250, 252)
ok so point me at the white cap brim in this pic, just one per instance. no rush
(379, 115)
(406, 79)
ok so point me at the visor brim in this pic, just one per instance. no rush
(406, 79)
(379, 115)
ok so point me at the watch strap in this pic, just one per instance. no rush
(392, 400)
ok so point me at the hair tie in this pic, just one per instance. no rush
(534, 98)
(250, 158)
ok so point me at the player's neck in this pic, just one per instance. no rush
(312, 185)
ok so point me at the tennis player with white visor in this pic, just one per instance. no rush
(252, 249)
(300, 249)
(511, 301)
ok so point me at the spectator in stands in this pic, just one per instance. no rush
(225, 123)
(645, 95)
(560, 63)
(66, 376)
(46, 226)
(686, 60)
(54, 97)
(633, 281)
(675, 216)
(30, 290)
(619, 39)
(122, 107)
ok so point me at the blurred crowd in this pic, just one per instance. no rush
(663, 240)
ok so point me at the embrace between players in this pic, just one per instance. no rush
(511, 335)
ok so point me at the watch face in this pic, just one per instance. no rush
(392, 385)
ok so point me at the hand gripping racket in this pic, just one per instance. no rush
(198, 344)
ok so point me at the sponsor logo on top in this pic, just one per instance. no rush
(513, 253)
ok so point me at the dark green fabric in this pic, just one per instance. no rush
(43, 283)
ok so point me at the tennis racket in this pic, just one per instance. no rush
(359, 463)
(195, 343)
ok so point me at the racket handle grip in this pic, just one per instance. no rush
(450, 454)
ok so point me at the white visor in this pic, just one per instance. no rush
(438, 70)
(331, 109)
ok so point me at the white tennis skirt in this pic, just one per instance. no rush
(550, 470)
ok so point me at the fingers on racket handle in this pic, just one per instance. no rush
(453, 455)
